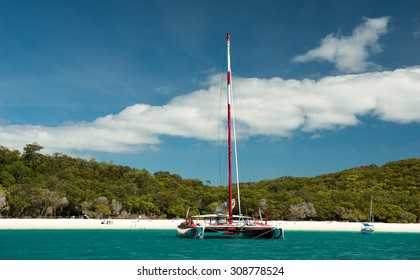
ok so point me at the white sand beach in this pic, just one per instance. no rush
(171, 224)
(346, 226)
(87, 224)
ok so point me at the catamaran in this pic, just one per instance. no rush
(369, 227)
(223, 223)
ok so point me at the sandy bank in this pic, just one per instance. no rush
(346, 226)
(86, 224)
(171, 224)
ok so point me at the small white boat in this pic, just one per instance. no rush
(369, 227)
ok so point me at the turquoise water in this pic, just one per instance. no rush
(164, 245)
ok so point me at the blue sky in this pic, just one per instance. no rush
(322, 85)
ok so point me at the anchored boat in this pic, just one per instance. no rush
(369, 227)
(221, 224)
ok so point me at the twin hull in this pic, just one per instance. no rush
(236, 231)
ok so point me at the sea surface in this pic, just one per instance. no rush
(165, 245)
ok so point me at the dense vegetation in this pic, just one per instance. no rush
(37, 185)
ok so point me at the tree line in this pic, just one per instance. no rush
(36, 185)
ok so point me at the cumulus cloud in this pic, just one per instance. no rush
(350, 53)
(268, 107)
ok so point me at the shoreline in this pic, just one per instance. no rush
(16, 224)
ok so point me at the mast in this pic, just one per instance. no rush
(229, 127)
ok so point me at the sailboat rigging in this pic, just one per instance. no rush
(219, 223)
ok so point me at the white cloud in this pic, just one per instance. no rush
(350, 53)
(267, 107)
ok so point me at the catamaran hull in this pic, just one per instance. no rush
(187, 231)
(253, 232)
(265, 233)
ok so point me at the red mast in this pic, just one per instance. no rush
(229, 127)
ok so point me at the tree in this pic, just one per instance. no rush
(102, 211)
(8, 157)
(35, 184)
(30, 151)
(4, 206)
(50, 201)
(20, 171)
(302, 211)
(116, 207)
(6, 179)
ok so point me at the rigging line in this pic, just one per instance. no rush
(235, 148)
(209, 118)
(245, 134)
(205, 136)
(265, 232)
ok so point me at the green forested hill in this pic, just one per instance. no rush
(37, 185)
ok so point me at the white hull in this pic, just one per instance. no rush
(367, 228)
